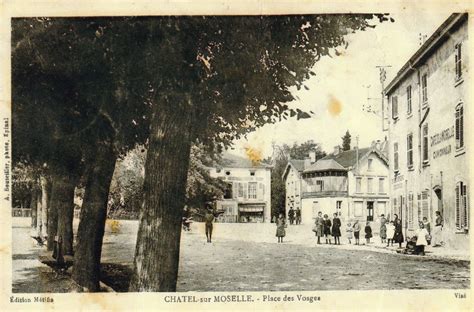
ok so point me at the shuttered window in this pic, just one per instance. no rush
(395, 156)
(425, 208)
(409, 100)
(394, 107)
(410, 150)
(425, 143)
(424, 88)
(411, 214)
(458, 61)
(459, 126)
(462, 206)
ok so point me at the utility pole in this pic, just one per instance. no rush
(383, 77)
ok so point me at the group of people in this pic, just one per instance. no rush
(294, 216)
(323, 227)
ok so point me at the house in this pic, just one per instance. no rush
(292, 179)
(428, 145)
(248, 197)
(354, 184)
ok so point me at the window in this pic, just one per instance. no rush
(382, 208)
(252, 173)
(425, 143)
(242, 190)
(252, 190)
(424, 88)
(338, 207)
(358, 185)
(227, 172)
(411, 215)
(395, 157)
(369, 185)
(425, 208)
(458, 61)
(381, 185)
(319, 185)
(394, 107)
(370, 211)
(410, 150)
(228, 191)
(462, 210)
(459, 126)
(369, 164)
(358, 209)
(409, 100)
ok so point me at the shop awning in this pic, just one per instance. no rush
(251, 208)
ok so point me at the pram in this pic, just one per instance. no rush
(187, 223)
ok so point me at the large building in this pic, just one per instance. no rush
(354, 184)
(429, 106)
(248, 198)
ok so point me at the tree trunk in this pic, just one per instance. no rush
(157, 250)
(86, 269)
(34, 208)
(45, 198)
(62, 212)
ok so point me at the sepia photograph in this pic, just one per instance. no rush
(238, 154)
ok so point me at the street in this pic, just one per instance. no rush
(246, 257)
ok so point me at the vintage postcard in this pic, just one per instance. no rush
(252, 155)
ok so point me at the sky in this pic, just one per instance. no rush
(338, 93)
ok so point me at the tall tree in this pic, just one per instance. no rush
(218, 78)
(346, 141)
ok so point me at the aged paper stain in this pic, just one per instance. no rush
(254, 154)
(334, 106)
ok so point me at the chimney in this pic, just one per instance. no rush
(312, 156)
(337, 149)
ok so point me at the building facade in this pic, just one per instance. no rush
(428, 109)
(292, 180)
(248, 197)
(354, 184)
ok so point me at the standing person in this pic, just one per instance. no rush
(421, 241)
(368, 232)
(327, 229)
(390, 233)
(319, 226)
(209, 218)
(427, 226)
(349, 231)
(437, 230)
(398, 236)
(336, 229)
(281, 224)
(395, 219)
(291, 215)
(298, 215)
(356, 227)
(383, 232)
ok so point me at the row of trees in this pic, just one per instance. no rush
(85, 91)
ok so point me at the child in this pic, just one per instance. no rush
(349, 232)
(383, 232)
(390, 233)
(356, 228)
(368, 233)
(421, 242)
(327, 229)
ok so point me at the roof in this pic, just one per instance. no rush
(298, 164)
(234, 161)
(427, 48)
(348, 158)
(325, 165)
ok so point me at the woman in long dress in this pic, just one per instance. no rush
(398, 236)
(280, 232)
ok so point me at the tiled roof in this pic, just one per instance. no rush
(347, 158)
(234, 161)
(324, 165)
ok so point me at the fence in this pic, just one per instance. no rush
(21, 212)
